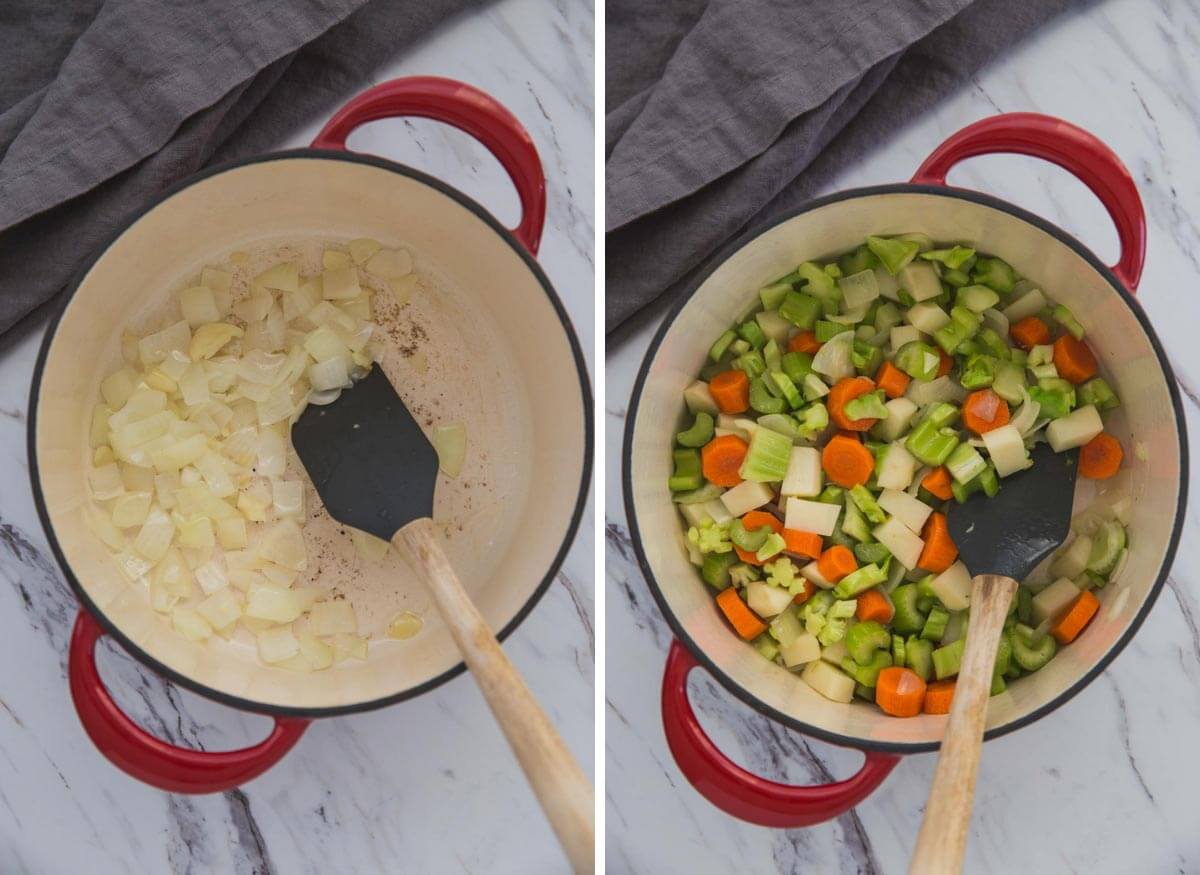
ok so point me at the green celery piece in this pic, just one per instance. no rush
(1003, 654)
(858, 260)
(909, 619)
(797, 365)
(956, 278)
(715, 570)
(700, 432)
(772, 356)
(853, 524)
(899, 657)
(979, 372)
(752, 334)
(762, 400)
(924, 586)
(942, 414)
(818, 281)
(707, 492)
(752, 363)
(766, 646)
(998, 685)
(976, 298)
(965, 463)
(813, 419)
(786, 388)
(993, 343)
(995, 273)
(894, 254)
(1009, 381)
(963, 491)
(963, 325)
(1099, 394)
(871, 552)
(742, 574)
(1024, 604)
(989, 481)
(739, 347)
(859, 581)
(866, 503)
(832, 495)
(1030, 655)
(924, 241)
(918, 654)
(814, 388)
(1054, 405)
(844, 609)
(1107, 544)
(1067, 320)
(919, 360)
(772, 296)
(947, 660)
(866, 406)
(866, 357)
(800, 309)
(721, 344)
(935, 624)
(750, 541)
(786, 627)
(687, 474)
(931, 445)
(772, 546)
(953, 258)
(1019, 356)
(867, 675)
(767, 458)
(1044, 372)
(833, 270)
(887, 317)
(782, 423)
(834, 631)
(827, 331)
(865, 638)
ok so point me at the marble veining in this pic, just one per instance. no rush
(425, 786)
(1107, 783)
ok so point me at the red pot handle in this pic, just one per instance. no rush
(152, 761)
(1071, 148)
(735, 790)
(468, 109)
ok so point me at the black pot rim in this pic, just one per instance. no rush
(531, 263)
(677, 627)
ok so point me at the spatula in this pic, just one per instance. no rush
(375, 470)
(1000, 540)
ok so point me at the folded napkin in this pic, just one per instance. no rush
(722, 113)
(104, 103)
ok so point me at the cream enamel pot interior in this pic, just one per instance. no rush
(1131, 358)
(504, 342)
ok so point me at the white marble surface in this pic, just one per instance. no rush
(1107, 784)
(426, 786)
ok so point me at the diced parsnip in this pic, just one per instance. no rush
(920, 280)
(766, 600)
(277, 645)
(1007, 450)
(391, 264)
(899, 466)
(907, 508)
(774, 326)
(953, 587)
(1054, 599)
(718, 511)
(804, 475)
(362, 249)
(316, 652)
(830, 682)
(348, 647)
(1029, 304)
(802, 649)
(926, 317)
(199, 306)
(340, 283)
(699, 399)
(130, 509)
(221, 608)
(106, 482)
(900, 415)
(811, 516)
(1073, 559)
(901, 335)
(284, 276)
(696, 515)
(812, 572)
(835, 653)
(1075, 429)
(745, 497)
(332, 617)
(902, 541)
(190, 623)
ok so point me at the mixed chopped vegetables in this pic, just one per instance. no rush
(830, 428)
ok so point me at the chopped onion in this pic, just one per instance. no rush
(371, 548)
(106, 482)
(362, 249)
(390, 263)
(222, 608)
(130, 509)
(288, 498)
(199, 305)
(349, 647)
(261, 367)
(211, 578)
(284, 545)
(273, 603)
(323, 398)
(332, 617)
(277, 645)
(833, 359)
(316, 652)
(153, 348)
(340, 283)
(450, 441)
(272, 454)
(405, 625)
(941, 389)
(190, 623)
(284, 276)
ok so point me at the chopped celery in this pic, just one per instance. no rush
(743, 574)
(918, 653)
(1099, 394)
(800, 309)
(786, 627)
(866, 358)
(1009, 381)
(919, 360)
(752, 363)
(748, 540)
(1024, 605)
(772, 356)
(866, 406)
(965, 463)
(1107, 544)
(995, 273)
(1054, 405)
(924, 241)
(1030, 655)
(827, 331)
(687, 474)
(963, 325)
(908, 619)
(814, 388)
(953, 258)
(993, 342)
(866, 503)
(974, 298)
(931, 445)
(935, 624)
(752, 334)
(899, 655)
(894, 254)
(739, 347)
(860, 259)
(947, 660)
(872, 552)
(887, 317)
(772, 546)
(867, 674)
(766, 646)
(705, 493)
(721, 344)
(715, 569)
(865, 638)
(782, 572)
(700, 432)
(781, 423)
(979, 372)
(813, 419)
(1067, 320)
(859, 288)
(711, 537)
(772, 296)
(767, 458)
(786, 388)
(859, 581)
(762, 400)
(853, 524)
(956, 278)
(797, 365)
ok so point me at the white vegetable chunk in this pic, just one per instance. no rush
(1029, 304)
(1054, 599)
(900, 416)
(331, 618)
(803, 649)
(1072, 561)
(953, 587)
(745, 497)
(909, 510)
(765, 600)
(901, 335)
(811, 516)
(450, 442)
(812, 572)
(277, 645)
(903, 543)
(830, 682)
(1007, 450)
(804, 475)
(1075, 429)
(699, 399)
(926, 317)
(920, 280)
(898, 468)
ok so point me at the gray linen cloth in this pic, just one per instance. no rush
(104, 103)
(723, 113)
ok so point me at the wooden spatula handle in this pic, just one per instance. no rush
(942, 841)
(558, 782)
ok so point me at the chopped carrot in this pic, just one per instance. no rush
(939, 551)
(731, 391)
(744, 621)
(945, 363)
(842, 393)
(805, 341)
(836, 562)
(938, 697)
(747, 556)
(1077, 616)
(937, 483)
(874, 605)
(1100, 458)
(810, 590)
(721, 459)
(1074, 360)
(892, 380)
(900, 692)
(754, 520)
(846, 461)
(803, 543)
(1030, 332)
(984, 410)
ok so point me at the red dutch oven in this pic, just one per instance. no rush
(1132, 360)
(507, 343)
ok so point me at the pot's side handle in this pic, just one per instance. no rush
(468, 109)
(739, 792)
(1071, 148)
(151, 760)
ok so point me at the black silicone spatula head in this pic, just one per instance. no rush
(1016, 529)
(372, 465)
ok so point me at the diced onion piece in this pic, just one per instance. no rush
(179, 454)
(283, 544)
(197, 532)
(133, 566)
(941, 389)
(288, 498)
(340, 283)
(276, 407)
(371, 548)
(209, 339)
(324, 344)
(909, 510)
(272, 453)
(102, 526)
(98, 433)
(332, 258)
(284, 276)
(332, 617)
(189, 623)
(300, 302)
(953, 587)
(153, 348)
(348, 647)
(211, 577)
(450, 441)
(221, 608)
(277, 645)
(131, 509)
(273, 603)
(903, 543)
(106, 482)
(263, 368)
(316, 652)
(155, 536)
(279, 575)
(405, 625)
(390, 263)
(129, 347)
(362, 249)
(809, 516)
(329, 374)
(199, 306)
(833, 358)
(118, 386)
